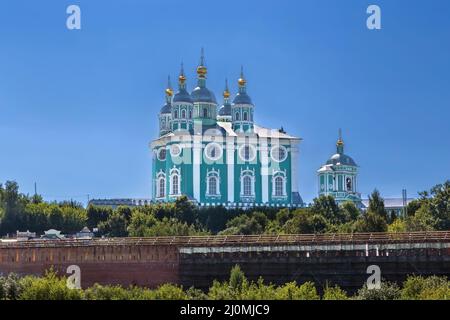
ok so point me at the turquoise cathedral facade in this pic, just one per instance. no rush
(219, 155)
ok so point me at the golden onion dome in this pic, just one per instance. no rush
(340, 142)
(226, 94)
(169, 92)
(242, 82)
(181, 78)
(201, 70)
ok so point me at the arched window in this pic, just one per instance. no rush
(205, 113)
(175, 114)
(349, 184)
(236, 115)
(175, 181)
(279, 186)
(245, 117)
(247, 182)
(212, 184)
(161, 185)
(190, 114)
(175, 186)
(183, 114)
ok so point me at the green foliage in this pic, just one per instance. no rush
(431, 288)
(114, 226)
(97, 214)
(290, 291)
(422, 220)
(371, 222)
(305, 221)
(237, 279)
(387, 291)
(398, 225)
(144, 224)
(238, 287)
(49, 287)
(334, 293)
(376, 204)
(21, 212)
(10, 287)
(254, 223)
(326, 207)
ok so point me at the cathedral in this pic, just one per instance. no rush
(219, 155)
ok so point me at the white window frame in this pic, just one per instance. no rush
(216, 175)
(250, 174)
(161, 176)
(219, 153)
(282, 175)
(273, 150)
(175, 172)
(241, 152)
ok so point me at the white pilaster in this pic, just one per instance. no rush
(264, 154)
(230, 150)
(197, 159)
(294, 167)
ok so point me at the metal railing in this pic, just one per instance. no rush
(239, 240)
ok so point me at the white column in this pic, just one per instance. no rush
(230, 149)
(294, 167)
(197, 159)
(264, 155)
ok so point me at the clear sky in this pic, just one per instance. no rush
(78, 108)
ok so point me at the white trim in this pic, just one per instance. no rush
(210, 146)
(216, 175)
(159, 154)
(174, 154)
(278, 146)
(230, 149)
(240, 152)
(197, 149)
(160, 176)
(175, 172)
(282, 175)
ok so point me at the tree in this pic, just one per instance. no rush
(349, 211)
(254, 223)
(371, 222)
(115, 226)
(97, 214)
(376, 204)
(12, 202)
(237, 279)
(10, 287)
(422, 220)
(305, 221)
(334, 293)
(431, 288)
(387, 291)
(327, 207)
(49, 287)
(290, 291)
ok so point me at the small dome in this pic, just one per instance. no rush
(167, 108)
(225, 110)
(202, 94)
(182, 96)
(242, 98)
(341, 159)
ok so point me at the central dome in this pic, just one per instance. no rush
(242, 98)
(202, 94)
(341, 159)
(182, 96)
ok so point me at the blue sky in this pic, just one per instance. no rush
(78, 108)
